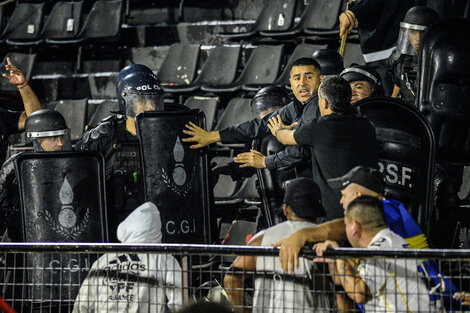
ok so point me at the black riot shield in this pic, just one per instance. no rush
(444, 88)
(176, 177)
(406, 153)
(62, 200)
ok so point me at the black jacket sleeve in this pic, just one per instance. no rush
(290, 157)
(368, 12)
(256, 128)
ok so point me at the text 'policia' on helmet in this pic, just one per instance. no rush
(364, 73)
(131, 69)
(412, 28)
(47, 123)
(268, 97)
(139, 92)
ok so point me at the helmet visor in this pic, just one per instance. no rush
(409, 39)
(138, 103)
(53, 143)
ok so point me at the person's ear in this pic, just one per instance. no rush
(356, 229)
(285, 209)
(322, 77)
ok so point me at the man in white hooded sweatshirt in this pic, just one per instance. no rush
(137, 283)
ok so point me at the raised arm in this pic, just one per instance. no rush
(30, 100)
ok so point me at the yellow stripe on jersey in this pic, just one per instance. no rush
(418, 242)
(401, 292)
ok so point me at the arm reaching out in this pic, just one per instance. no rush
(30, 100)
(282, 132)
(200, 136)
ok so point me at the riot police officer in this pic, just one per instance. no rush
(47, 130)
(403, 63)
(365, 82)
(115, 138)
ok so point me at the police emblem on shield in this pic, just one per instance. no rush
(176, 177)
(62, 200)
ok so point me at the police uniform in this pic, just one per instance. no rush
(125, 188)
(8, 125)
(404, 72)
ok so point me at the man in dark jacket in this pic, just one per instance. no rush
(339, 140)
(305, 79)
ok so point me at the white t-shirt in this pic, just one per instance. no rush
(276, 292)
(395, 284)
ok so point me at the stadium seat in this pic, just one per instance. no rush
(320, 17)
(221, 67)
(74, 112)
(98, 110)
(102, 24)
(238, 110)
(24, 26)
(208, 105)
(64, 22)
(25, 62)
(262, 68)
(180, 65)
(303, 50)
(353, 54)
(277, 15)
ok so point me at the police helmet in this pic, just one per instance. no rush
(364, 73)
(130, 69)
(415, 23)
(268, 97)
(139, 89)
(331, 62)
(46, 123)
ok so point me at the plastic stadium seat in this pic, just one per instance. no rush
(320, 17)
(303, 50)
(180, 65)
(74, 112)
(353, 54)
(100, 109)
(103, 23)
(277, 15)
(208, 105)
(262, 68)
(25, 62)
(221, 67)
(238, 110)
(64, 22)
(24, 26)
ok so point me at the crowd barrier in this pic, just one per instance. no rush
(64, 277)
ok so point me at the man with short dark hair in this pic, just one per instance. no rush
(304, 80)
(302, 207)
(339, 140)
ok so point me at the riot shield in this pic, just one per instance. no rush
(176, 177)
(444, 88)
(62, 200)
(406, 153)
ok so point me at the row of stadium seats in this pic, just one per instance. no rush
(67, 23)
(181, 70)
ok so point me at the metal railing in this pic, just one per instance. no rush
(64, 277)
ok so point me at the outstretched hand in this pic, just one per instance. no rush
(16, 77)
(251, 159)
(198, 135)
(276, 123)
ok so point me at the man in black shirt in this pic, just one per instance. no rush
(339, 140)
(305, 79)
(12, 122)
